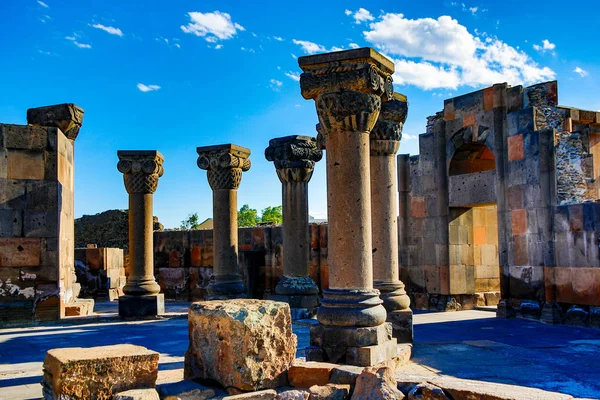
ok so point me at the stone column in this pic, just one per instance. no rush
(347, 87)
(385, 141)
(224, 165)
(141, 170)
(294, 158)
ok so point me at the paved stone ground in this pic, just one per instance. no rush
(466, 344)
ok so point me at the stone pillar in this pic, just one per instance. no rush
(347, 87)
(224, 165)
(385, 141)
(294, 158)
(141, 170)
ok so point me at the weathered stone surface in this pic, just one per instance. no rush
(329, 392)
(263, 394)
(185, 390)
(67, 117)
(376, 383)
(295, 394)
(426, 391)
(345, 374)
(137, 394)
(98, 372)
(372, 355)
(307, 374)
(242, 344)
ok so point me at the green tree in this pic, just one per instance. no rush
(247, 216)
(273, 214)
(192, 222)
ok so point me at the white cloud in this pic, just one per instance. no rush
(546, 46)
(582, 72)
(212, 26)
(41, 3)
(278, 38)
(294, 56)
(76, 43)
(474, 10)
(177, 45)
(361, 15)
(441, 53)
(147, 88)
(407, 136)
(310, 47)
(218, 47)
(275, 84)
(353, 46)
(293, 75)
(110, 29)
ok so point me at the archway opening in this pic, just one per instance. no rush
(470, 158)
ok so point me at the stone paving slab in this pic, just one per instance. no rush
(465, 344)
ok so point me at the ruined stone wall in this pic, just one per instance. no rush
(100, 272)
(183, 260)
(36, 223)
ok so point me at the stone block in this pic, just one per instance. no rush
(310, 373)
(492, 298)
(184, 390)
(371, 355)
(42, 224)
(293, 394)
(268, 394)
(345, 374)
(322, 335)
(20, 252)
(141, 306)
(25, 164)
(11, 223)
(329, 392)
(172, 278)
(67, 117)
(12, 194)
(376, 383)
(137, 394)
(402, 325)
(417, 207)
(242, 344)
(98, 372)
(23, 137)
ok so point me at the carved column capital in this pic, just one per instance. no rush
(141, 170)
(224, 165)
(294, 157)
(348, 87)
(386, 135)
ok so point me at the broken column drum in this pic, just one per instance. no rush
(224, 165)
(385, 141)
(294, 158)
(141, 170)
(348, 87)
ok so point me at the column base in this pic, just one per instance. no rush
(223, 287)
(393, 295)
(351, 308)
(301, 306)
(141, 306)
(402, 325)
(505, 309)
(350, 345)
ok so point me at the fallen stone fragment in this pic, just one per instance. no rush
(310, 373)
(426, 391)
(98, 372)
(376, 383)
(243, 344)
(137, 394)
(185, 390)
(294, 394)
(329, 392)
(345, 374)
(67, 117)
(268, 394)
(477, 390)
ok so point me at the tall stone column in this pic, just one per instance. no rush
(141, 170)
(224, 165)
(348, 87)
(294, 158)
(385, 141)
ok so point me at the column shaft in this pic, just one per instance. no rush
(296, 235)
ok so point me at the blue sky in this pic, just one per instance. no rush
(176, 75)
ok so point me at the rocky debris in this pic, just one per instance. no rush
(185, 390)
(243, 344)
(268, 394)
(376, 383)
(329, 392)
(106, 229)
(98, 372)
(293, 394)
(310, 373)
(137, 394)
(426, 391)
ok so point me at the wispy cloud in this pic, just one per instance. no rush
(407, 136)
(109, 29)
(312, 48)
(278, 38)
(582, 72)
(545, 46)
(76, 43)
(275, 84)
(212, 26)
(41, 3)
(147, 88)
(293, 75)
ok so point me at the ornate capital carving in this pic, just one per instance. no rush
(347, 111)
(224, 165)
(141, 170)
(294, 157)
(386, 135)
